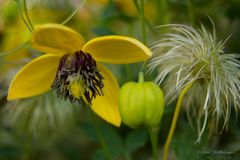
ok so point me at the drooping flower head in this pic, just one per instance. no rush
(195, 56)
(72, 69)
(78, 77)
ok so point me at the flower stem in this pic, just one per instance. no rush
(101, 139)
(143, 66)
(141, 77)
(73, 14)
(26, 14)
(163, 14)
(2, 54)
(153, 138)
(174, 121)
(162, 6)
(191, 12)
(22, 17)
(143, 22)
(136, 5)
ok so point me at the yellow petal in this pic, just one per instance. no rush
(106, 106)
(117, 49)
(34, 78)
(56, 39)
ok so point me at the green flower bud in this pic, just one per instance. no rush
(141, 104)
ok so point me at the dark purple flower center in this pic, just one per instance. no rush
(78, 78)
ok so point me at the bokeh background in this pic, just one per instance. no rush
(46, 128)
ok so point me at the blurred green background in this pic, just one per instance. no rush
(46, 128)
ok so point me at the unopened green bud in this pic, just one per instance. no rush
(141, 104)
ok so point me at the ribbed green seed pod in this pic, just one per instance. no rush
(141, 104)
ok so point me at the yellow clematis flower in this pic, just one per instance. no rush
(70, 69)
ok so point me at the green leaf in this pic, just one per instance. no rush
(89, 131)
(10, 152)
(113, 140)
(108, 134)
(136, 139)
(98, 155)
(184, 143)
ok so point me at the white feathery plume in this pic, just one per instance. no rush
(189, 55)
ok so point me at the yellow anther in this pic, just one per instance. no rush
(76, 88)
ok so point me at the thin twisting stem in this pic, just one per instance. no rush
(26, 13)
(154, 143)
(136, 5)
(22, 17)
(2, 54)
(174, 121)
(73, 14)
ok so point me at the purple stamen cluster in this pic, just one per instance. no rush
(82, 67)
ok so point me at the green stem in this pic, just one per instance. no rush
(143, 65)
(174, 121)
(26, 13)
(14, 49)
(136, 5)
(163, 15)
(141, 77)
(22, 17)
(128, 71)
(152, 28)
(101, 139)
(191, 12)
(142, 16)
(153, 138)
(73, 14)
(163, 11)
(143, 22)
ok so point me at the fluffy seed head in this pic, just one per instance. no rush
(188, 55)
